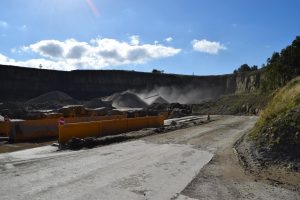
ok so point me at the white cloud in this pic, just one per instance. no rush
(48, 48)
(206, 46)
(56, 50)
(3, 24)
(35, 63)
(135, 40)
(169, 39)
(98, 53)
(4, 59)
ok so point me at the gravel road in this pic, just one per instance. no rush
(192, 163)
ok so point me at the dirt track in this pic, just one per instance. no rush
(223, 177)
(192, 163)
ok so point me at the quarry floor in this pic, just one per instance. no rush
(192, 163)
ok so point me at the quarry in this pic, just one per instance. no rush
(149, 100)
(34, 113)
(161, 136)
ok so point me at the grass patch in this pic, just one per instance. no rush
(284, 100)
(277, 131)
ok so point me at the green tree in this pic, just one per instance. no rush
(282, 67)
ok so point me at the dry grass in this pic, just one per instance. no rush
(284, 100)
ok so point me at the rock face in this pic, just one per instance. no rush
(248, 81)
(19, 83)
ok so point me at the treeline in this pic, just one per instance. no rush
(282, 67)
(245, 68)
(279, 69)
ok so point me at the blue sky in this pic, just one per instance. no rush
(178, 36)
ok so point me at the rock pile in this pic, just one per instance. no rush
(51, 100)
(160, 100)
(126, 100)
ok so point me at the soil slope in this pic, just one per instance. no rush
(277, 132)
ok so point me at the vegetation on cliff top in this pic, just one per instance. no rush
(277, 131)
(245, 68)
(282, 67)
(279, 69)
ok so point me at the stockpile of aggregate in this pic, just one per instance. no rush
(51, 100)
(126, 100)
(160, 100)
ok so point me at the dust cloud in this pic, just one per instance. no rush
(184, 95)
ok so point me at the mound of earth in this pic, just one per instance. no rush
(51, 100)
(112, 97)
(126, 100)
(160, 100)
(277, 131)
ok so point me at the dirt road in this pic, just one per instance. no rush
(192, 163)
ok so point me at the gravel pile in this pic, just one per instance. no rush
(160, 100)
(126, 100)
(51, 100)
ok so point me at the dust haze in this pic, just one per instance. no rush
(184, 95)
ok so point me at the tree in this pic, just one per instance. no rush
(242, 68)
(254, 68)
(274, 59)
(155, 71)
(282, 67)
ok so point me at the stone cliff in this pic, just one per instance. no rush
(19, 83)
(246, 82)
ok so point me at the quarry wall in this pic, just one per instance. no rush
(248, 81)
(19, 83)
